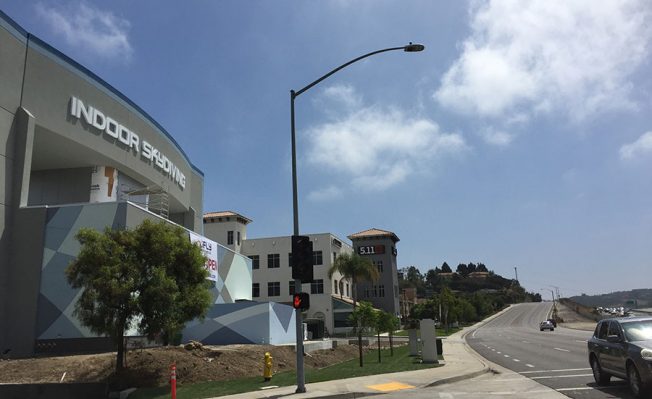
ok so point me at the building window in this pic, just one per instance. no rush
(381, 291)
(255, 290)
(335, 286)
(238, 239)
(341, 319)
(366, 292)
(255, 262)
(317, 287)
(334, 256)
(379, 265)
(290, 259)
(273, 261)
(291, 285)
(274, 288)
(229, 237)
(317, 258)
(347, 290)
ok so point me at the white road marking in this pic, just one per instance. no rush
(529, 365)
(581, 340)
(516, 360)
(506, 355)
(547, 377)
(589, 388)
(560, 349)
(526, 342)
(552, 371)
(499, 353)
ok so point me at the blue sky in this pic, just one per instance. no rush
(521, 137)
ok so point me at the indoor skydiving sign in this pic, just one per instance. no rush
(126, 137)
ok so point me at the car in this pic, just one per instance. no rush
(622, 347)
(554, 322)
(546, 325)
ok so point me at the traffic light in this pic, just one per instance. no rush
(301, 301)
(302, 259)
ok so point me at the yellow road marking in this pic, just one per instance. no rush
(390, 386)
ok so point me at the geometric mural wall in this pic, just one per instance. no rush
(57, 299)
(244, 323)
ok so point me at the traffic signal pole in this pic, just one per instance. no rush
(410, 48)
(301, 381)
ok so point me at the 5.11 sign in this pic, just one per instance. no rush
(371, 250)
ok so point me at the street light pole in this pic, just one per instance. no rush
(410, 48)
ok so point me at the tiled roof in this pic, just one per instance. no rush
(373, 232)
(225, 214)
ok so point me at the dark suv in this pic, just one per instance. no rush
(622, 347)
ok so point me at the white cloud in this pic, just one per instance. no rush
(377, 148)
(545, 56)
(90, 29)
(325, 194)
(344, 94)
(641, 147)
(497, 137)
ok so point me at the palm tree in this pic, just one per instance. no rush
(354, 268)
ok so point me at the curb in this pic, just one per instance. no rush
(485, 368)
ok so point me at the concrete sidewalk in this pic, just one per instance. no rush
(460, 363)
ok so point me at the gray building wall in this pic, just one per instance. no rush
(12, 57)
(59, 186)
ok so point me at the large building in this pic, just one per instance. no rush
(75, 152)
(331, 298)
(380, 247)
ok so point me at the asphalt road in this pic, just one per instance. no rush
(556, 359)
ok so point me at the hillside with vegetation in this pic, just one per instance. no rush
(468, 294)
(635, 299)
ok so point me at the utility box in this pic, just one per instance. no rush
(428, 341)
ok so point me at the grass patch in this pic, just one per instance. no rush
(440, 332)
(401, 361)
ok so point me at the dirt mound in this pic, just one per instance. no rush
(572, 319)
(150, 367)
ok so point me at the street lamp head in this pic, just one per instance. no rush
(413, 48)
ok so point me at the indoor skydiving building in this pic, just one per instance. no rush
(74, 153)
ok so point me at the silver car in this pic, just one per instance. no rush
(622, 347)
(546, 325)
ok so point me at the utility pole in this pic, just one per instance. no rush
(516, 272)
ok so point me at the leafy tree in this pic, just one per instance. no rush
(462, 270)
(363, 319)
(445, 268)
(482, 267)
(447, 301)
(472, 267)
(432, 279)
(386, 322)
(354, 268)
(151, 277)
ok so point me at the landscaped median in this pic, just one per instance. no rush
(400, 361)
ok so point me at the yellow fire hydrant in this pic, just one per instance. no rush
(267, 369)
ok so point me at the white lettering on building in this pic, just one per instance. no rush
(129, 139)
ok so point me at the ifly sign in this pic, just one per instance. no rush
(128, 138)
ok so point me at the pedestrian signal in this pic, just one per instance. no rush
(301, 301)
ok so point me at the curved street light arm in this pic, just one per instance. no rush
(410, 48)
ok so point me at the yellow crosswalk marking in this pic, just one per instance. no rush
(390, 386)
